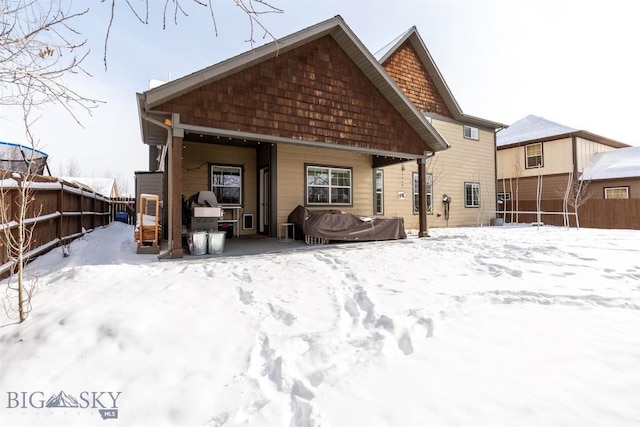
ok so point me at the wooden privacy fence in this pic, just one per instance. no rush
(57, 213)
(123, 205)
(594, 213)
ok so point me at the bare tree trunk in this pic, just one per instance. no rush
(20, 247)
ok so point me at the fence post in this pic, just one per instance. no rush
(60, 208)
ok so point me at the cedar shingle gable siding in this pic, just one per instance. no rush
(406, 69)
(314, 92)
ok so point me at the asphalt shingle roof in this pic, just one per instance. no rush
(530, 128)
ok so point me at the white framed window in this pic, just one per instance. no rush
(471, 133)
(616, 193)
(328, 185)
(379, 192)
(226, 183)
(471, 194)
(533, 155)
(504, 196)
(428, 193)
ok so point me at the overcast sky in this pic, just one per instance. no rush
(570, 61)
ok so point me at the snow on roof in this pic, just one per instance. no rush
(530, 128)
(620, 163)
(105, 186)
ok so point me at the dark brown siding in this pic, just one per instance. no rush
(314, 92)
(553, 187)
(405, 67)
(597, 187)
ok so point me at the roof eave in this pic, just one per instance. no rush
(579, 133)
(342, 34)
(151, 130)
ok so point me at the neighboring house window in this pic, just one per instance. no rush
(226, 183)
(379, 196)
(471, 133)
(616, 193)
(533, 154)
(428, 193)
(328, 186)
(504, 196)
(471, 194)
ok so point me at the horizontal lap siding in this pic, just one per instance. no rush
(291, 177)
(557, 158)
(398, 179)
(195, 172)
(597, 187)
(553, 187)
(466, 161)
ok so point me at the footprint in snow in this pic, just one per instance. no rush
(281, 315)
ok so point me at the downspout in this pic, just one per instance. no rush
(574, 147)
(495, 172)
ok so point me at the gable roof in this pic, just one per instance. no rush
(413, 37)
(103, 186)
(621, 163)
(531, 128)
(537, 129)
(154, 133)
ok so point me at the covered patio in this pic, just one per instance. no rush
(315, 102)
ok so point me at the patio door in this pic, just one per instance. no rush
(264, 197)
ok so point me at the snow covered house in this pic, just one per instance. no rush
(107, 187)
(308, 120)
(534, 146)
(538, 156)
(614, 174)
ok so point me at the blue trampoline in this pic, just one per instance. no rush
(18, 158)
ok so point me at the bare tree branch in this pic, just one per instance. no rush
(174, 9)
(37, 49)
(17, 231)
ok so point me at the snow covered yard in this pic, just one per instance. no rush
(493, 326)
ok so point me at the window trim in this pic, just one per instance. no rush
(475, 136)
(329, 169)
(472, 184)
(378, 210)
(240, 168)
(622, 187)
(427, 200)
(506, 199)
(527, 157)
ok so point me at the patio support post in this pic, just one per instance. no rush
(175, 195)
(422, 197)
